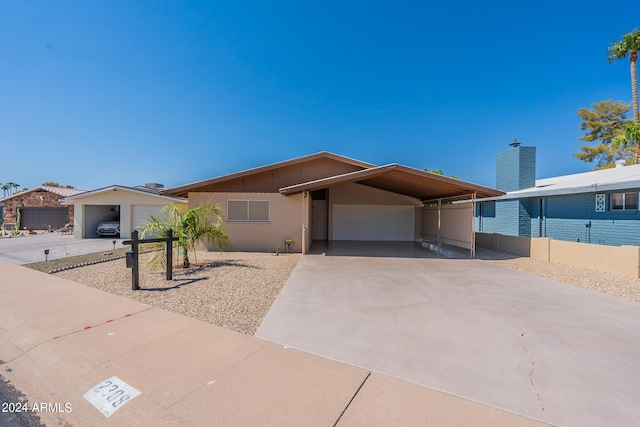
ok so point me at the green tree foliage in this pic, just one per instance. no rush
(628, 46)
(605, 123)
(439, 172)
(56, 184)
(190, 226)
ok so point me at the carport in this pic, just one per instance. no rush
(391, 203)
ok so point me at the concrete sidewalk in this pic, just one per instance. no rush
(59, 339)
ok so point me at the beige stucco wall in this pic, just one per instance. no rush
(357, 194)
(456, 224)
(613, 259)
(119, 197)
(287, 220)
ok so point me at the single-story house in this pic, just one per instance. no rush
(592, 207)
(327, 197)
(39, 208)
(132, 206)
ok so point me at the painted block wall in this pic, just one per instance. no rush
(516, 168)
(565, 217)
(509, 217)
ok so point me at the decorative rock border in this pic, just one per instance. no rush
(84, 264)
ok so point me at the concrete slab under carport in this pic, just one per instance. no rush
(529, 345)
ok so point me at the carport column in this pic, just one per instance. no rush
(473, 225)
(439, 202)
(305, 216)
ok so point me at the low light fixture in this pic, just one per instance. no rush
(46, 254)
(114, 245)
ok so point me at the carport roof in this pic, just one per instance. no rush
(402, 180)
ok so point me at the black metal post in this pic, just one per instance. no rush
(169, 260)
(135, 279)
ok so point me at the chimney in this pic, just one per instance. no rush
(516, 167)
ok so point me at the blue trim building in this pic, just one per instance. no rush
(593, 207)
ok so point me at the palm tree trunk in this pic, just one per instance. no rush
(633, 57)
(634, 85)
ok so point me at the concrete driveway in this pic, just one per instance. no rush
(30, 248)
(519, 342)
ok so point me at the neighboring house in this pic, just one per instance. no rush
(327, 197)
(593, 207)
(132, 206)
(40, 208)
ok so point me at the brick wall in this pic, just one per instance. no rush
(32, 200)
(565, 217)
(516, 168)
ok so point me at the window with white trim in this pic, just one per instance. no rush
(624, 202)
(248, 210)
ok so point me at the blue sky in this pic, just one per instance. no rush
(94, 93)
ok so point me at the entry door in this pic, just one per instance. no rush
(319, 222)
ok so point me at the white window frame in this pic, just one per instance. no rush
(248, 216)
(624, 202)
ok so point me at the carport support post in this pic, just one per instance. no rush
(135, 279)
(439, 202)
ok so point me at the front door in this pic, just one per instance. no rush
(319, 221)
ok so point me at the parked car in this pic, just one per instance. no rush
(108, 228)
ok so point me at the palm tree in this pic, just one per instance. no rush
(190, 226)
(629, 46)
(5, 190)
(12, 185)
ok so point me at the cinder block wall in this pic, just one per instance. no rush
(615, 259)
(516, 168)
(567, 218)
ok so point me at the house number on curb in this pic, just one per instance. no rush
(110, 395)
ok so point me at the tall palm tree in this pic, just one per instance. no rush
(12, 185)
(5, 190)
(190, 226)
(628, 46)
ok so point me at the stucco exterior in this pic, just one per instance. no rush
(122, 200)
(322, 197)
(288, 220)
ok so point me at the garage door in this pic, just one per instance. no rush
(41, 218)
(374, 222)
(140, 215)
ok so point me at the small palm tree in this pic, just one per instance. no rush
(204, 222)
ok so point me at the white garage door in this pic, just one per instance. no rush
(140, 215)
(374, 222)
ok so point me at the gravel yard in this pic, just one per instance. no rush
(617, 285)
(234, 290)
